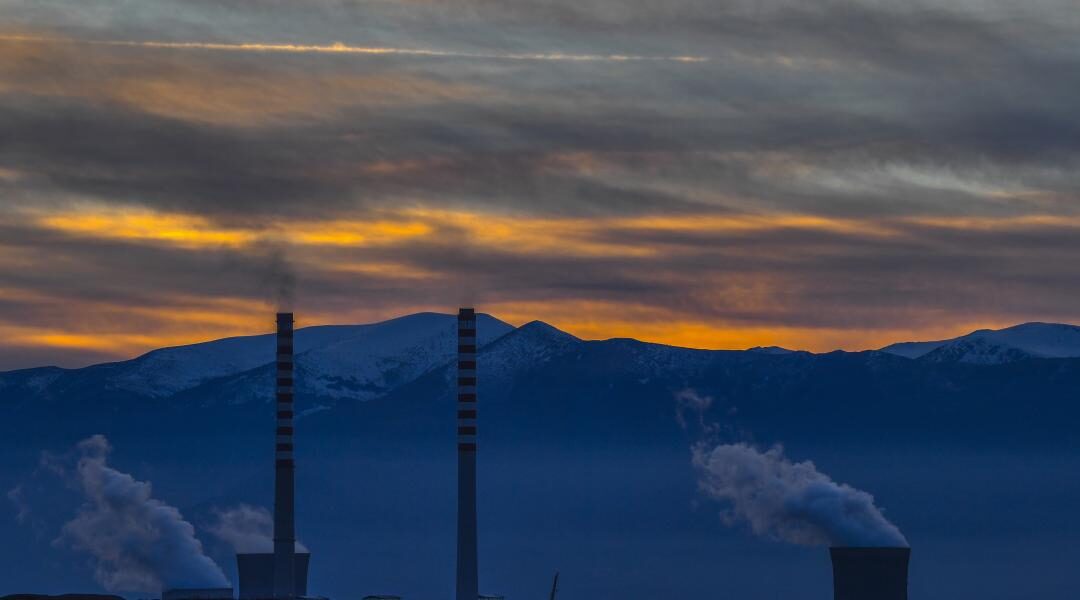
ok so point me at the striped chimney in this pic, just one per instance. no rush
(284, 517)
(467, 581)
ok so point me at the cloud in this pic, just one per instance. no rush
(17, 497)
(848, 173)
(689, 400)
(340, 48)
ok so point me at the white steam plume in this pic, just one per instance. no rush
(790, 501)
(138, 543)
(247, 529)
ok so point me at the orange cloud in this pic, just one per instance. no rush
(511, 234)
(177, 229)
(752, 307)
(194, 232)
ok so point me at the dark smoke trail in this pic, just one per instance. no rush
(278, 278)
(138, 543)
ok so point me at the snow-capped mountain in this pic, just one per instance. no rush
(335, 361)
(988, 346)
(363, 362)
(581, 439)
(531, 344)
(385, 355)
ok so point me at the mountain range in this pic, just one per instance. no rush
(363, 362)
(988, 346)
(969, 444)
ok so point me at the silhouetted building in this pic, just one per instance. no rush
(256, 574)
(870, 573)
(198, 594)
(467, 578)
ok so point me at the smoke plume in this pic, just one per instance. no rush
(790, 501)
(247, 529)
(689, 400)
(138, 543)
(276, 276)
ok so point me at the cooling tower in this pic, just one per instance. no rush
(467, 580)
(284, 468)
(870, 573)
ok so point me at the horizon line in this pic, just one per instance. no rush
(518, 327)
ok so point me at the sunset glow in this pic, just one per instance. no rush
(167, 189)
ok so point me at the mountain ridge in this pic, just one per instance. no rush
(366, 361)
(1025, 341)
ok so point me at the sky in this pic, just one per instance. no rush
(715, 174)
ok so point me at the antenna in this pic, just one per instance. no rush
(554, 586)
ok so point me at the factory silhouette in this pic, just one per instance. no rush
(859, 573)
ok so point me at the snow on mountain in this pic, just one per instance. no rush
(913, 349)
(333, 361)
(987, 346)
(164, 372)
(976, 351)
(338, 362)
(369, 363)
(531, 344)
(385, 355)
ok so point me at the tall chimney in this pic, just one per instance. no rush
(870, 573)
(284, 468)
(467, 580)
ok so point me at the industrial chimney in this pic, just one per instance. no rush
(878, 573)
(284, 471)
(467, 580)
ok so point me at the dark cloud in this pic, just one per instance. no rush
(874, 119)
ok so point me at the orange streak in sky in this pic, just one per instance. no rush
(322, 247)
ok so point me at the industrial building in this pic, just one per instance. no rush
(198, 594)
(256, 574)
(283, 573)
(859, 573)
(877, 573)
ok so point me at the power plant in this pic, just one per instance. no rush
(859, 573)
(283, 574)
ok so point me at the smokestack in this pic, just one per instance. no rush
(467, 580)
(870, 573)
(284, 517)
